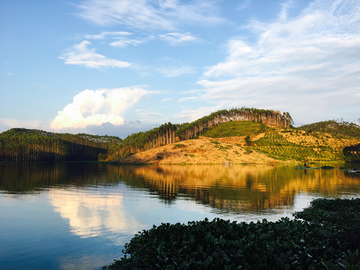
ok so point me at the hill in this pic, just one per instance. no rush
(338, 128)
(20, 144)
(226, 143)
(170, 133)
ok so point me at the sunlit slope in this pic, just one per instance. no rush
(169, 133)
(337, 128)
(226, 143)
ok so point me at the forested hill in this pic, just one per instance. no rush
(19, 144)
(335, 127)
(169, 133)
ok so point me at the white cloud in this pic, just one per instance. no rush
(308, 65)
(103, 34)
(79, 54)
(93, 214)
(123, 42)
(95, 107)
(178, 38)
(165, 100)
(150, 116)
(153, 14)
(192, 115)
(186, 99)
(175, 71)
(148, 113)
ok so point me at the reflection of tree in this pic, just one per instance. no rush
(237, 188)
(33, 177)
(240, 188)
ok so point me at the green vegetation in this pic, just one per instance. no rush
(179, 145)
(20, 144)
(169, 133)
(141, 141)
(276, 146)
(343, 213)
(352, 153)
(236, 128)
(188, 130)
(318, 243)
(338, 128)
(248, 140)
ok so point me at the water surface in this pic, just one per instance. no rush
(80, 215)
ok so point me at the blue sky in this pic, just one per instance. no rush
(119, 66)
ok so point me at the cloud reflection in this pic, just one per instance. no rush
(92, 214)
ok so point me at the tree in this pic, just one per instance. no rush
(248, 140)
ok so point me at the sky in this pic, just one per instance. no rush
(116, 67)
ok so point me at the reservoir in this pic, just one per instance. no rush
(80, 215)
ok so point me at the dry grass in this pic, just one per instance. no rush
(207, 150)
(200, 151)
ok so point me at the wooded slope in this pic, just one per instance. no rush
(20, 144)
(169, 133)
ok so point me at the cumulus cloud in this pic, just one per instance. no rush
(178, 38)
(96, 107)
(308, 65)
(81, 55)
(91, 215)
(103, 34)
(153, 14)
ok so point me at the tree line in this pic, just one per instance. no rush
(20, 144)
(169, 133)
(337, 127)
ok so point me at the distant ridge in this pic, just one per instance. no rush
(335, 127)
(20, 144)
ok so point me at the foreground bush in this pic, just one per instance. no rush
(342, 214)
(220, 244)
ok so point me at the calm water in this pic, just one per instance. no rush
(79, 215)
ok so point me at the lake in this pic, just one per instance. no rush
(80, 215)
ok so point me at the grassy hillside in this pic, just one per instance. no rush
(227, 142)
(275, 145)
(335, 127)
(236, 128)
(294, 144)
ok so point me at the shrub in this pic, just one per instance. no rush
(248, 140)
(221, 244)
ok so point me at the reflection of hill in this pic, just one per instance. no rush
(32, 177)
(240, 187)
(236, 188)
